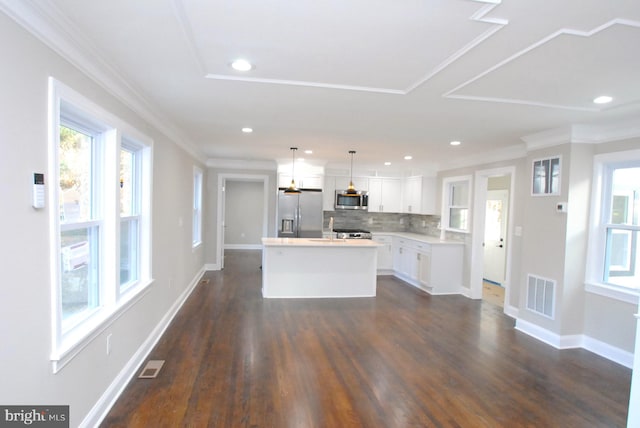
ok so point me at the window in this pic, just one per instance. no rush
(614, 247)
(455, 203)
(545, 176)
(197, 207)
(101, 248)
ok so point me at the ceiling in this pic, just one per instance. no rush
(384, 78)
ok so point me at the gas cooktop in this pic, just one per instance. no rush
(352, 234)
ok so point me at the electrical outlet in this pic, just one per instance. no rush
(109, 343)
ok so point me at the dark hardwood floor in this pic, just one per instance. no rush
(402, 359)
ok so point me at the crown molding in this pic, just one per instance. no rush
(515, 151)
(585, 134)
(242, 164)
(44, 21)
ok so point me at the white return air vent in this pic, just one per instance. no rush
(541, 295)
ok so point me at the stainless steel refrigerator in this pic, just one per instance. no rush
(300, 215)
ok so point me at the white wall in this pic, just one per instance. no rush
(244, 213)
(25, 292)
(211, 218)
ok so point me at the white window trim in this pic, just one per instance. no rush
(196, 218)
(66, 344)
(446, 197)
(596, 247)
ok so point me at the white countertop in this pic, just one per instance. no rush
(318, 242)
(432, 240)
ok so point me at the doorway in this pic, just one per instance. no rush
(491, 249)
(223, 180)
(494, 244)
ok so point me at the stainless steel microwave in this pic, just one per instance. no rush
(358, 200)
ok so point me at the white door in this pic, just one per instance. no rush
(495, 234)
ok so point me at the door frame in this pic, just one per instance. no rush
(222, 180)
(477, 251)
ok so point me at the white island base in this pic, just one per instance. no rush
(318, 268)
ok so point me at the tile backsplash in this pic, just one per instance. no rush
(384, 222)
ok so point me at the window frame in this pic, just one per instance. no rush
(601, 201)
(447, 203)
(68, 108)
(196, 237)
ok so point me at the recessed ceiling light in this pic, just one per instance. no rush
(604, 99)
(247, 130)
(309, 152)
(408, 157)
(455, 143)
(387, 163)
(241, 65)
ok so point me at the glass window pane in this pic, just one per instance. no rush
(460, 194)
(75, 157)
(458, 218)
(79, 271)
(129, 250)
(127, 183)
(622, 258)
(625, 193)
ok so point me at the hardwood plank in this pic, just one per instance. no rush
(401, 359)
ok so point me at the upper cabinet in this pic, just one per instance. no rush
(360, 183)
(419, 195)
(412, 195)
(385, 195)
(302, 182)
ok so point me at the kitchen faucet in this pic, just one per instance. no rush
(331, 228)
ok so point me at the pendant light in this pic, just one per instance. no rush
(292, 189)
(351, 190)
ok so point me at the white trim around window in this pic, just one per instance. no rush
(85, 220)
(197, 207)
(601, 199)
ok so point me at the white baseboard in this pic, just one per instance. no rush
(242, 246)
(511, 311)
(590, 344)
(609, 352)
(113, 392)
(212, 266)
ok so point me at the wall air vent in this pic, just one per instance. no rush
(541, 295)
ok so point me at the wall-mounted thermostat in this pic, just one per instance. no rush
(561, 207)
(38, 195)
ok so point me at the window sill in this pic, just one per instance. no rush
(77, 340)
(613, 292)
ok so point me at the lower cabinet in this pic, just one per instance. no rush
(385, 254)
(434, 267)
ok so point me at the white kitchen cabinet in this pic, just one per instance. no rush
(419, 195)
(385, 254)
(435, 267)
(385, 195)
(412, 195)
(329, 193)
(302, 182)
(360, 183)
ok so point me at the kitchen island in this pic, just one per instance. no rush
(318, 268)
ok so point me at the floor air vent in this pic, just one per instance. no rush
(151, 369)
(541, 295)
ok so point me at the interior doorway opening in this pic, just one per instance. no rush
(233, 183)
(491, 248)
